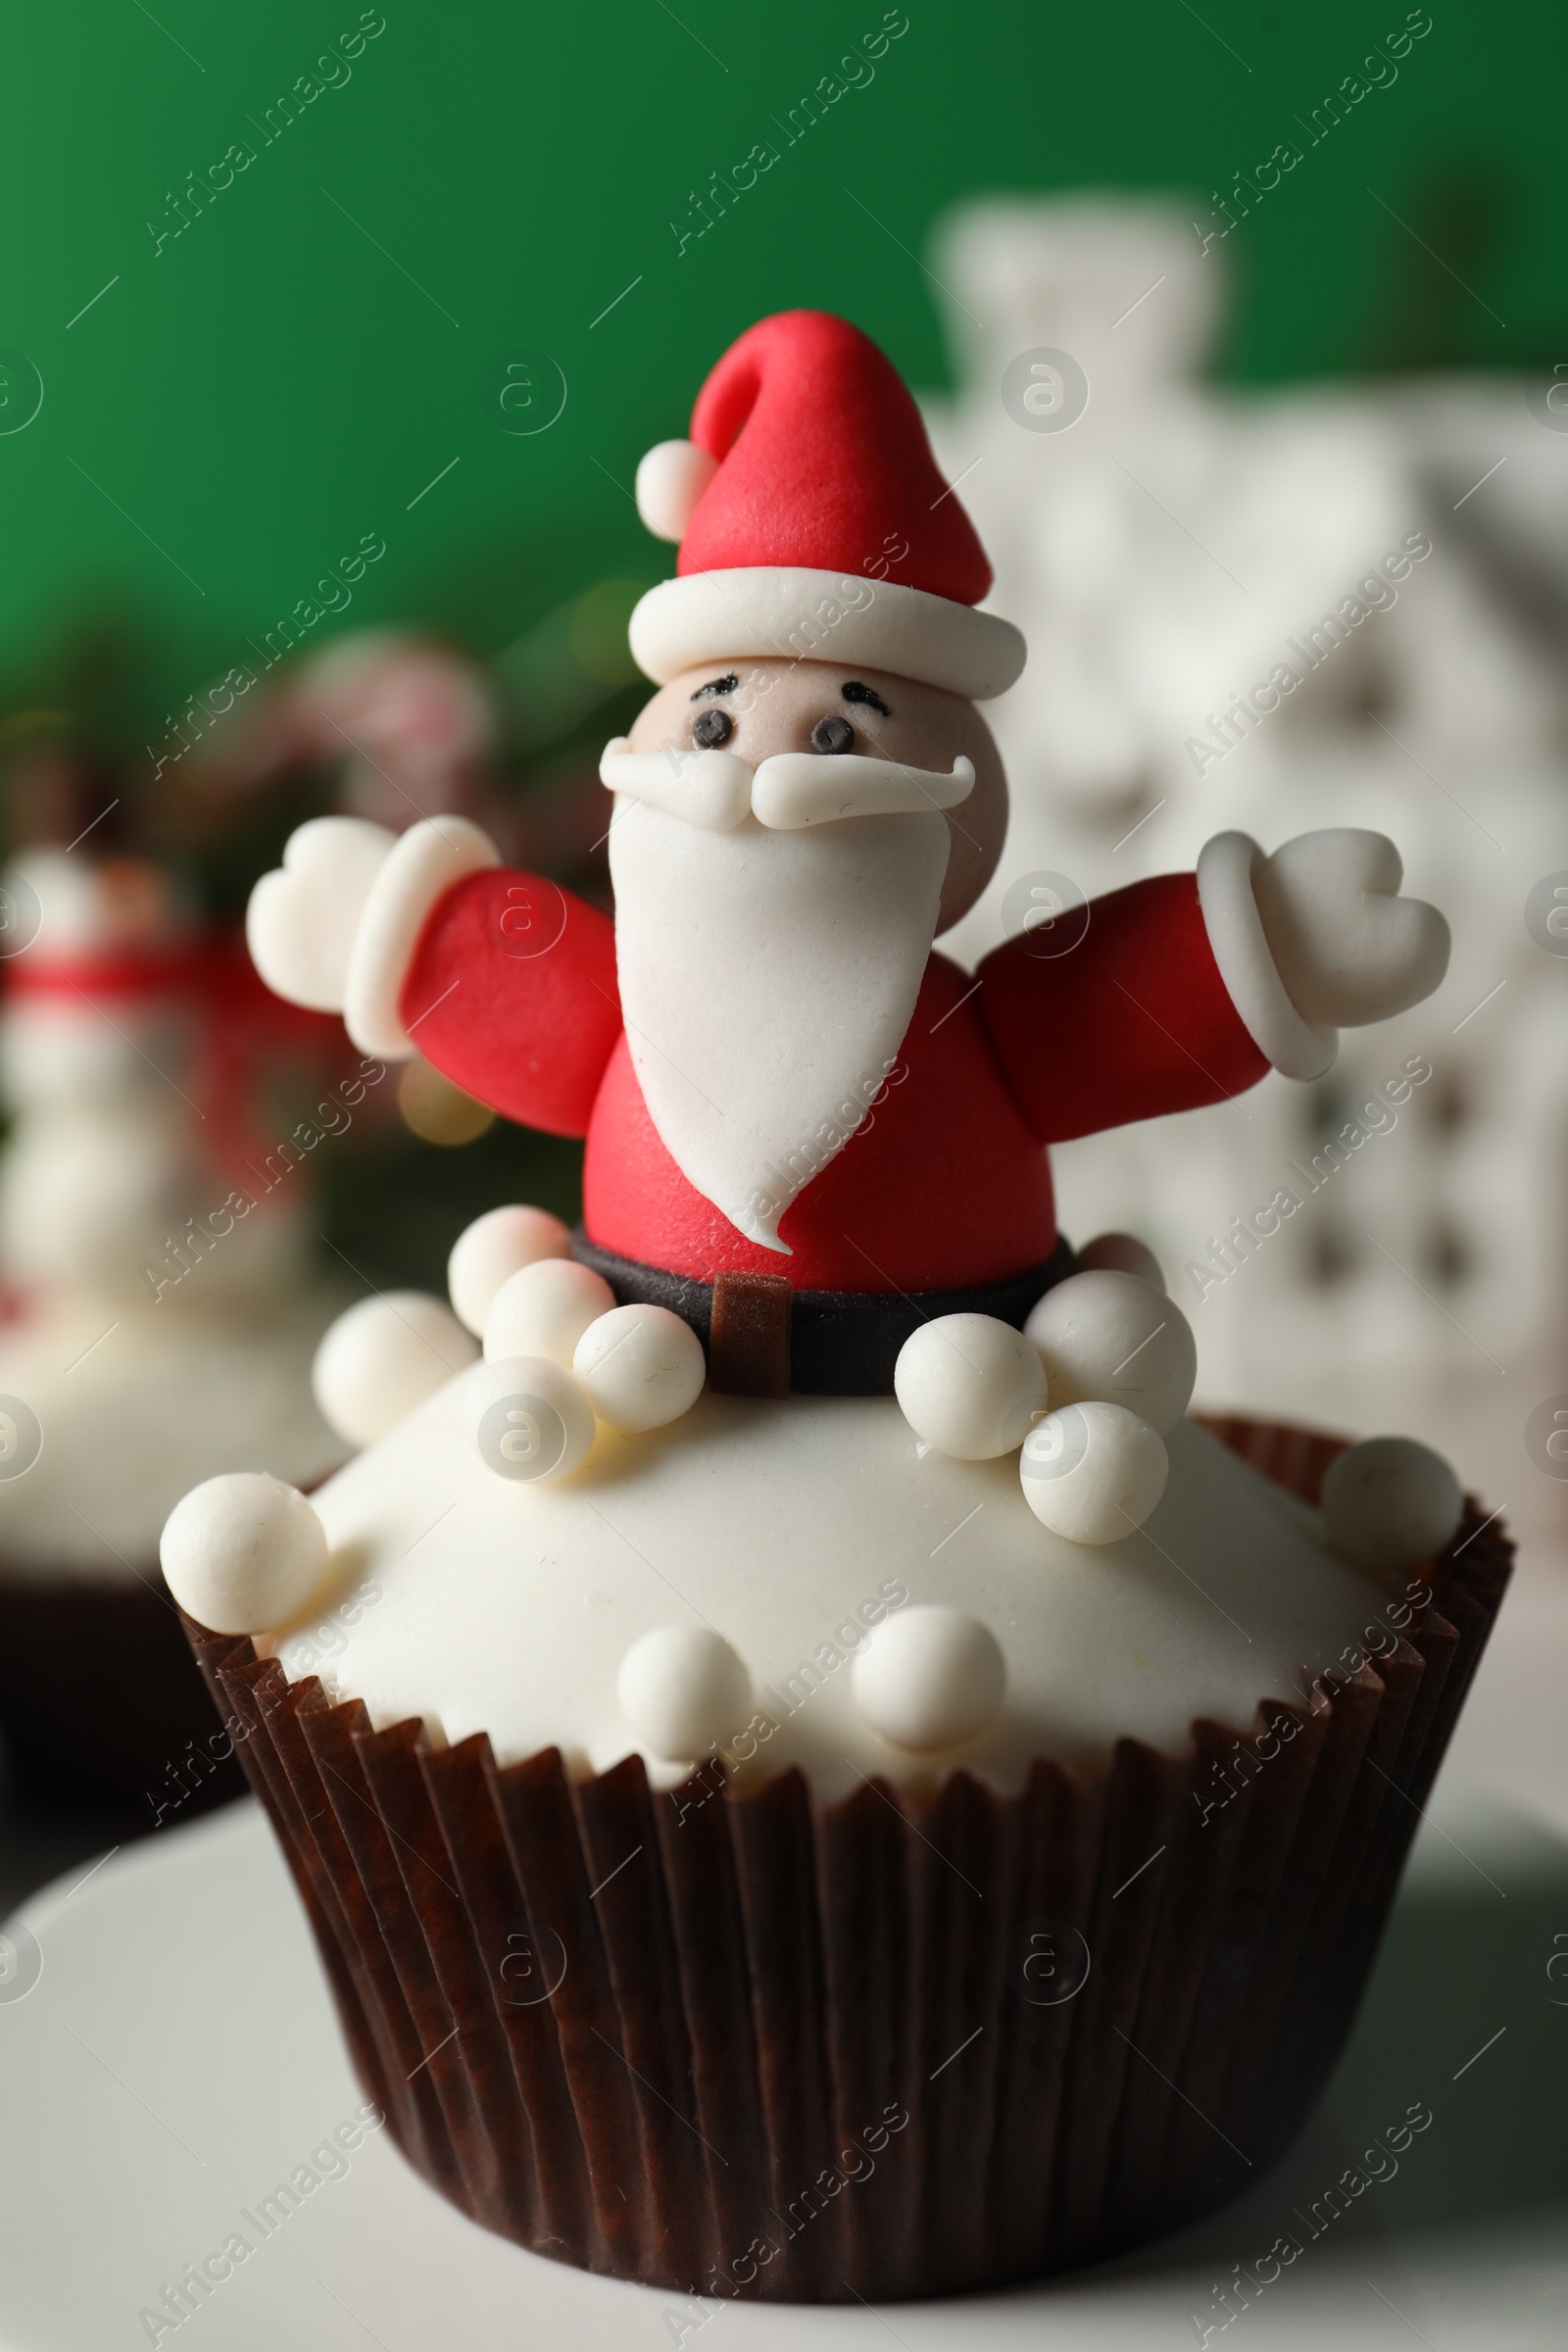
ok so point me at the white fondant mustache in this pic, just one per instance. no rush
(717, 790)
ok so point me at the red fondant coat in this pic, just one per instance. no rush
(946, 1184)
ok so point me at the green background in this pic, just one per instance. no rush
(281, 379)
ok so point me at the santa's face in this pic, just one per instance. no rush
(756, 708)
(772, 928)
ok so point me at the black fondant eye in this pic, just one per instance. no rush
(832, 735)
(713, 729)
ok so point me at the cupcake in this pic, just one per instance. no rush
(768, 1861)
(811, 1775)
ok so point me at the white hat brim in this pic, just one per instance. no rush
(794, 613)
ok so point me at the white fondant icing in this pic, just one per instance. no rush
(531, 1419)
(792, 789)
(243, 1552)
(707, 788)
(1226, 869)
(777, 609)
(970, 1386)
(302, 918)
(492, 1248)
(1116, 1337)
(767, 981)
(932, 1678)
(671, 478)
(1390, 1502)
(1092, 1471)
(544, 1310)
(423, 866)
(1122, 1253)
(683, 1691)
(642, 1366)
(1348, 947)
(384, 1357)
(793, 1530)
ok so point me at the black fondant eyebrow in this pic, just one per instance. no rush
(724, 685)
(854, 692)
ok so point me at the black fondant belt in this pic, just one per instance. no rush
(763, 1338)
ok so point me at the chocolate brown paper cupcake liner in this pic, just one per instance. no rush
(140, 1738)
(752, 2044)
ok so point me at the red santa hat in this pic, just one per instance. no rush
(814, 522)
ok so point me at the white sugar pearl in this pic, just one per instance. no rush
(1115, 1338)
(642, 1366)
(544, 1310)
(970, 1386)
(1093, 1472)
(683, 1691)
(1390, 1502)
(244, 1553)
(493, 1247)
(931, 1678)
(530, 1419)
(1122, 1254)
(383, 1359)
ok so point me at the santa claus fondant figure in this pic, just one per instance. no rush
(806, 1132)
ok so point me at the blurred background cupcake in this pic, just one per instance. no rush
(158, 1307)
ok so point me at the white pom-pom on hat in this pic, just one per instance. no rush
(1093, 1472)
(642, 1366)
(243, 1553)
(379, 1362)
(683, 1690)
(970, 1386)
(931, 1678)
(1391, 1502)
(544, 1310)
(1115, 1338)
(670, 480)
(493, 1247)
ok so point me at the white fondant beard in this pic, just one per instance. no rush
(767, 981)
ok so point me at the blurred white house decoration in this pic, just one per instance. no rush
(1330, 605)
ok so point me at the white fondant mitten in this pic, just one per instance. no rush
(336, 924)
(1348, 949)
(1316, 938)
(302, 918)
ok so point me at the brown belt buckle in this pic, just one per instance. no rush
(748, 1337)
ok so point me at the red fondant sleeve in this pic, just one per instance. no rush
(512, 992)
(1131, 1022)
